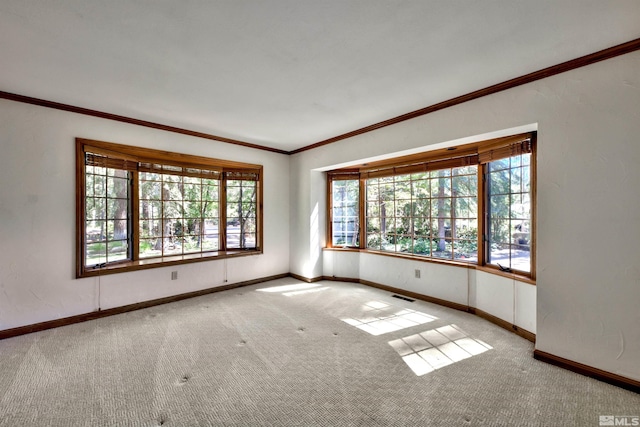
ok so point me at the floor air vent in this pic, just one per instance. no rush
(404, 298)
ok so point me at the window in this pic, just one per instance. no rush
(345, 211)
(432, 214)
(139, 208)
(108, 208)
(508, 192)
(178, 210)
(471, 204)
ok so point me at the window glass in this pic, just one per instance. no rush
(430, 214)
(509, 207)
(345, 213)
(177, 215)
(241, 214)
(107, 211)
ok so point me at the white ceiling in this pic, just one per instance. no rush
(289, 73)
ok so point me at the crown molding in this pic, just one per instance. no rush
(582, 61)
(612, 52)
(130, 120)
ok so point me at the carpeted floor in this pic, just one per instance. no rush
(287, 353)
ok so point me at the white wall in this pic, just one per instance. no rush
(37, 218)
(588, 278)
(508, 299)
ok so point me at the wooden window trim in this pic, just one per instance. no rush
(129, 155)
(478, 153)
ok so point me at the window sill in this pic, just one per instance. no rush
(485, 269)
(145, 264)
(498, 272)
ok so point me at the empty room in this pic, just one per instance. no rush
(319, 213)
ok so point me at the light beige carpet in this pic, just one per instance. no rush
(286, 353)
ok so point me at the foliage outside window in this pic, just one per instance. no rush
(139, 208)
(470, 204)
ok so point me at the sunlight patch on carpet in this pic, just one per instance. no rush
(377, 318)
(297, 289)
(289, 288)
(434, 349)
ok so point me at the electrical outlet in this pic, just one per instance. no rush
(174, 275)
(417, 273)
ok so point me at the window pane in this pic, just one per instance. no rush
(464, 170)
(402, 187)
(241, 213)
(193, 209)
(421, 226)
(117, 250)
(441, 186)
(172, 209)
(150, 190)
(421, 189)
(516, 180)
(510, 207)
(421, 207)
(499, 182)
(233, 194)
(249, 240)
(150, 248)
(99, 185)
(95, 231)
(171, 190)
(345, 214)
(521, 259)
(149, 228)
(499, 206)
(441, 208)
(373, 209)
(374, 241)
(466, 250)
(443, 248)
(171, 246)
(192, 244)
(499, 165)
(210, 242)
(373, 192)
(373, 225)
(404, 243)
(422, 246)
(461, 186)
(107, 212)
(95, 208)
(192, 191)
(117, 185)
(150, 210)
(96, 253)
(210, 209)
(89, 178)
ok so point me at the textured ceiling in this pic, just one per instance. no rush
(288, 73)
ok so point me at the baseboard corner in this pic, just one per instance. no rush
(589, 371)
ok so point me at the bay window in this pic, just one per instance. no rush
(469, 204)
